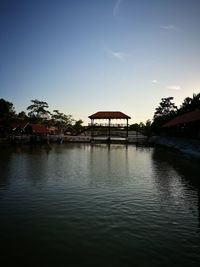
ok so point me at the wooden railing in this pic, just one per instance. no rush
(119, 125)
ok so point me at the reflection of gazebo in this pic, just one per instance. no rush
(109, 116)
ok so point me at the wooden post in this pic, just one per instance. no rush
(136, 137)
(127, 128)
(109, 129)
(92, 128)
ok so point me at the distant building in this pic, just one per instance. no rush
(18, 127)
(28, 128)
(186, 125)
(37, 129)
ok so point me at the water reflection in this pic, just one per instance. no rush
(177, 178)
(199, 204)
(24, 162)
(5, 172)
(108, 165)
(127, 204)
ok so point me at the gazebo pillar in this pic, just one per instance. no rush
(92, 128)
(109, 129)
(126, 128)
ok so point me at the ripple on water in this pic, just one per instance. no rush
(101, 206)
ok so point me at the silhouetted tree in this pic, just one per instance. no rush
(61, 120)
(78, 126)
(190, 104)
(38, 110)
(144, 128)
(7, 111)
(163, 113)
(147, 128)
(22, 115)
(166, 108)
(134, 127)
(7, 115)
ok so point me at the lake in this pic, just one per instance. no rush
(98, 205)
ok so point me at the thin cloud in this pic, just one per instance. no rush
(170, 27)
(174, 87)
(118, 55)
(116, 7)
(154, 81)
(115, 54)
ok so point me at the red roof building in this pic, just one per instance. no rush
(109, 115)
(21, 127)
(39, 129)
(185, 125)
(184, 118)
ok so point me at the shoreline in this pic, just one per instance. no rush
(187, 147)
(30, 139)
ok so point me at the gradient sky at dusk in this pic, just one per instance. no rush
(83, 56)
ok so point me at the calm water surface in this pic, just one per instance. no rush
(74, 205)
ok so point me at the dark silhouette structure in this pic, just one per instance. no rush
(185, 125)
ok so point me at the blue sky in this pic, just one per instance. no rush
(84, 56)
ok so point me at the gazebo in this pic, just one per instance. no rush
(109, 116)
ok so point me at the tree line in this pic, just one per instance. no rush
(166, 111)
(38, 112)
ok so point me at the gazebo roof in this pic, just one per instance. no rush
(109, 115)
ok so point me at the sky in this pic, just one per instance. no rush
(84, 56)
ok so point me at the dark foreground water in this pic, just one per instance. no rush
(83, 205)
